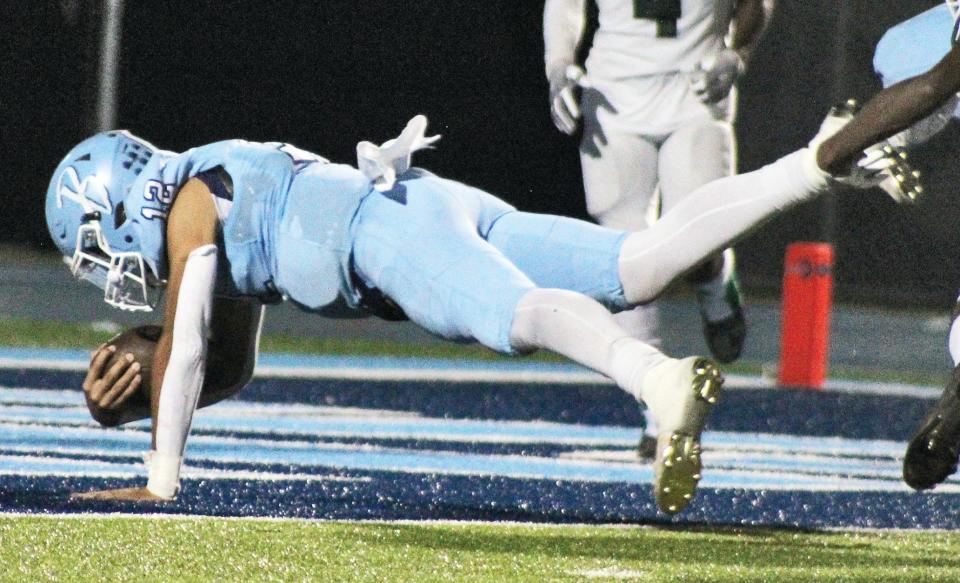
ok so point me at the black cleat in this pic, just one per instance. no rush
(647, 448)
(932, 453)
(726, 338)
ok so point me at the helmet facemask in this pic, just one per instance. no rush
(121, 275)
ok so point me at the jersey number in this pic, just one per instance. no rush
(158, 192)
(665, 12)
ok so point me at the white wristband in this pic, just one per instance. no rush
(164, 480)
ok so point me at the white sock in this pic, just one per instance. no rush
(579, 328)
(710, 219)
(642, 323)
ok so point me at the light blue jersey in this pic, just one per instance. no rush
(914, 46)
(455, 259)
(252, 214)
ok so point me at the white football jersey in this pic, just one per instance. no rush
(628, 46)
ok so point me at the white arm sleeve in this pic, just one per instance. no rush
(183, 377)
(563, 25)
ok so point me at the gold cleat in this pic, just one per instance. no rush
(900, 180)
(884, 164)
(678, 471)
(707, 380)
(677, 466)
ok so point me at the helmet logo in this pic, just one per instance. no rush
(90, 193)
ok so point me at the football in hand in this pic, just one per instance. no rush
(140, 341)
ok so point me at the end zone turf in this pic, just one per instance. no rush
(103, 548)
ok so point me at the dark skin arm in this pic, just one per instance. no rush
(749, 22)
(890, 111)
(116, 396)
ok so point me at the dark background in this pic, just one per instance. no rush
(324, 75)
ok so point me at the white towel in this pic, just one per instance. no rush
(382, 164)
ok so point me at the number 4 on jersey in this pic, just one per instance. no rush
(665, 12)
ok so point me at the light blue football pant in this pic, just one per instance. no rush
(458, 260)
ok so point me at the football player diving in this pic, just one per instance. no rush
(926, 45)
(264, 222)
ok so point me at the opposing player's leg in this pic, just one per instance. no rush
(696, 154)
(934, 449)
(620, 177)
(620, 180)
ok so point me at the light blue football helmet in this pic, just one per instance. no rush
(87, 221)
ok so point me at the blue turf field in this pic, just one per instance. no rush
(403, 439)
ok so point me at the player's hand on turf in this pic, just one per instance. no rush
(120, 494)
(109, 383)
(716, 75)
(564, 106)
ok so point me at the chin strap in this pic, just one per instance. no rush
(382, 164)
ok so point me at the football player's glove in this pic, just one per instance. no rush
(716, 74)
(883, 164)
(564, 105)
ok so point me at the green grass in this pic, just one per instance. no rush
(210, 549)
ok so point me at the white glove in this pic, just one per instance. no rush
(716, 74)
(564, 109)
